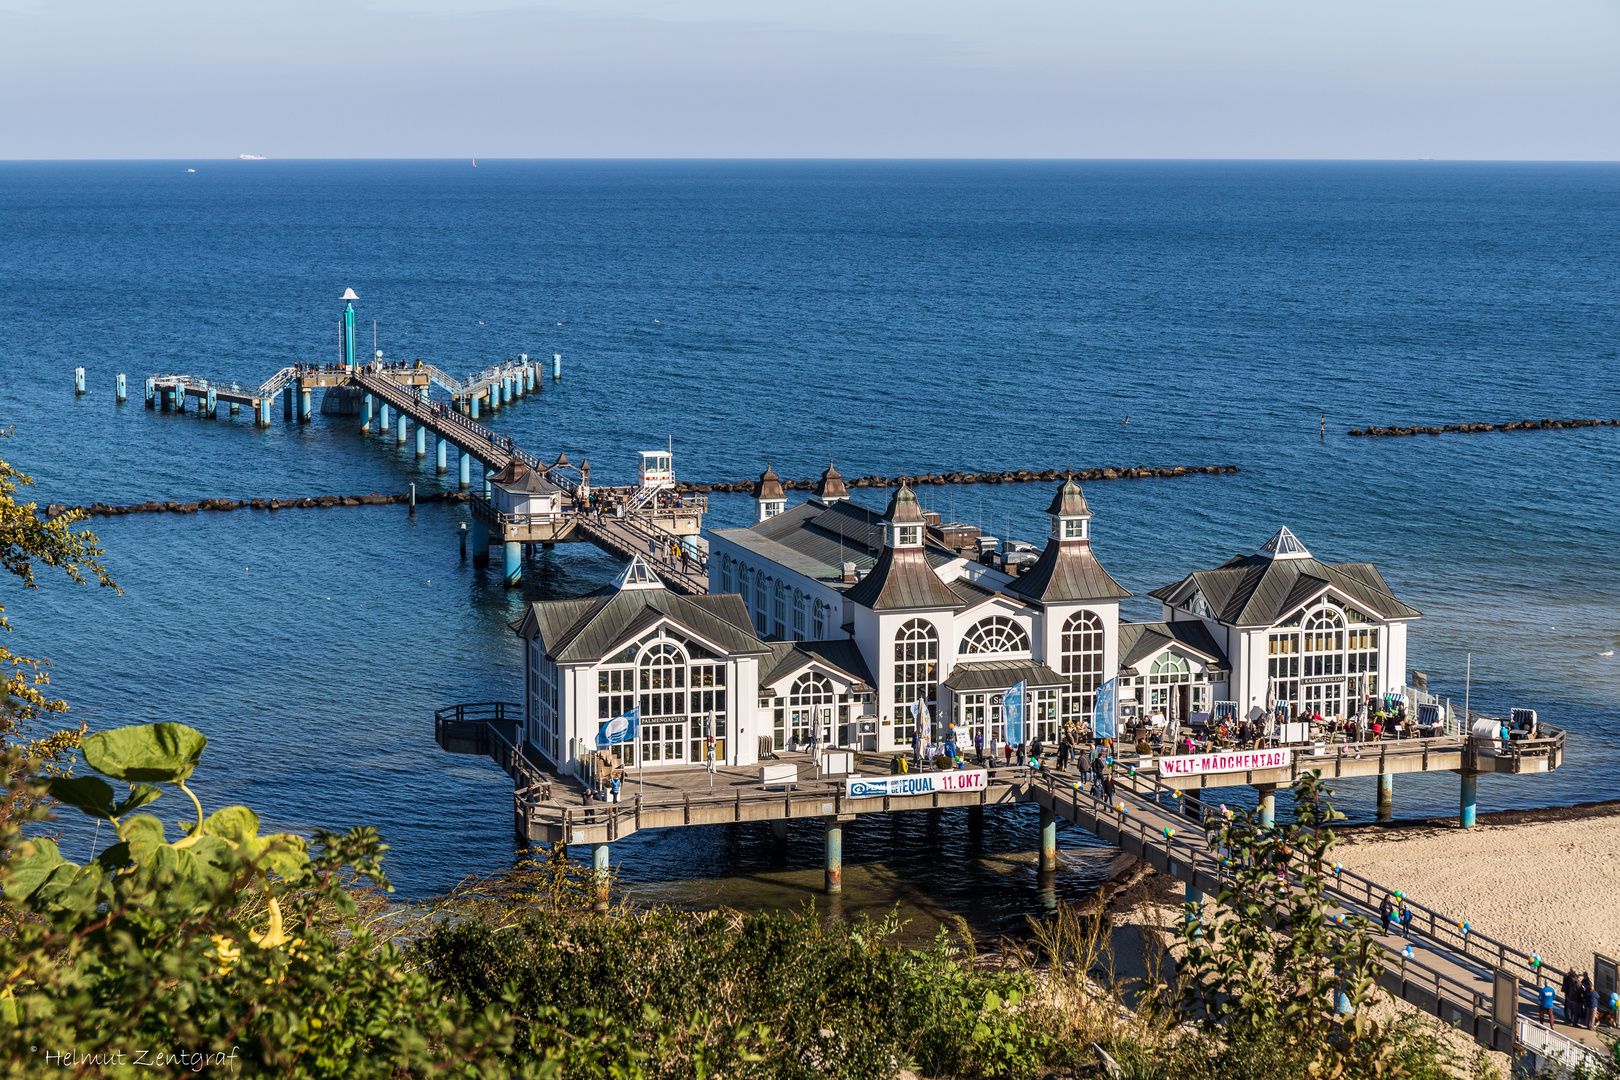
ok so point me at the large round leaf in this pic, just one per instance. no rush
(147, 752)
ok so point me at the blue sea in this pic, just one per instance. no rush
(892, 317)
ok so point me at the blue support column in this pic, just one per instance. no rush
(480, 543)
(151, 394)
(494, 401)
(1470, 795)
(365, 413)
(213, 403)
(179, 399)
(78, 382)
(236, 408)
(403, 433)
(421, 442)
(1268, 805)
(122, 393)
(262, 412)
(382, 419)
(513, 562)
(472, 406)
(1048, 840)
(1386, 796)
(835, 855)
(488, 472)
(305, 411)
(444, 458)
(466, 469)
(556, 366)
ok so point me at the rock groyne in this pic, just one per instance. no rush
(1014, 476)
(1476, 428)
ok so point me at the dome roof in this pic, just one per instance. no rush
(769, 486)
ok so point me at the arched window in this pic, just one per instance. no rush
(728, 567)
(1081, 656)
(818, 625)
(916, 673)
(1169, 668)
(780, 610)
(813, 688)
(810, 707)
(1324, 643)
(799, 604)
(663, 681)
(761, 612)
(997, 634)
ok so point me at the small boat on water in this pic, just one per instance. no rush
(251, 157)
(475, 163)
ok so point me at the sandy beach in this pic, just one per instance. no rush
(1547, 881)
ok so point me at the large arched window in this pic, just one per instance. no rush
(663, 680)
(761, 612)
(1081, 656)
(818, 625)
(810, 705)
(728, 568)
(997, 634)
(779, 610)
(1167, 673)
(1324, 644)
(916, 671)
(799, 614)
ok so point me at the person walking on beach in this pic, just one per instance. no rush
(1386, 910)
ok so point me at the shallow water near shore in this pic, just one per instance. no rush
(892, 316)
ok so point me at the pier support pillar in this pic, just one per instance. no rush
(287, 403)
(261, 412)
(213, 403)
(1470, 795)
(421, 442)
(472, 406)
(1386, 796)
(365, 413)
(466, 469)
(443, 465)
(494, 401)
(151, 394)
(556, 366)
(403, 433)
(382, 420)
(480, 543)
(236, 408)
(835, 855)
(1048, 839)
(599, 874)
(305, 411)
(779, 830)
(512, 563)
(1268, 805)
(121, 393)
(179, 399)
(488, 472)
(78, 382)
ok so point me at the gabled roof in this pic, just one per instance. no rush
(788, 657)
(1260, 590)
(1066, 572)
(972, 594)
(1140, 641)
(519, 479)
(593, 627)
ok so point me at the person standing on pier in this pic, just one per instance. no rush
(1572, 987)
(1548, 998)
(1386, 911)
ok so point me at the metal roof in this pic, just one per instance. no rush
(593, 628)
(902, 580)
(1069, 501)
(1067, 571)
(1259, 590)
(1000, 675)
(1142, 641)
(789, 656)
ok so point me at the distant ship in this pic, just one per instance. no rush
(475, 163)
(251, 157)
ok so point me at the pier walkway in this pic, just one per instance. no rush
(398, 400)
(1466, 978)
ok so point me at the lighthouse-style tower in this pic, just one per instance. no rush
(348, 327)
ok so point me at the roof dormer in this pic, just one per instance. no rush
(830, 488)
(769, 498)
(1071, 517)
(1284, 545)
(904, 524)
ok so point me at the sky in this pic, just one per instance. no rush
(1445, 79)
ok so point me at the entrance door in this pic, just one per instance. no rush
(1325, 698)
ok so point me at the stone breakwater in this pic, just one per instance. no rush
(312, 502)
(1016, 476)
(1472, 429)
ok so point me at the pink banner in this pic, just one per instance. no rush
(1233, 761)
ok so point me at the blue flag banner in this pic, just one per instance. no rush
(1103, 724)
(621, 729)
(1012, 711)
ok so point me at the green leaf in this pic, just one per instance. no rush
(235, 823)
(147, 752)
(90, 794)
(28, 869)
(70, 888)
(143, 794)
(145, 835)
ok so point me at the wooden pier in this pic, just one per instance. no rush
(1467, 979)
(398, 400)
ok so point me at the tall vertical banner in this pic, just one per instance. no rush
(1012, 711)
(1103, 723)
